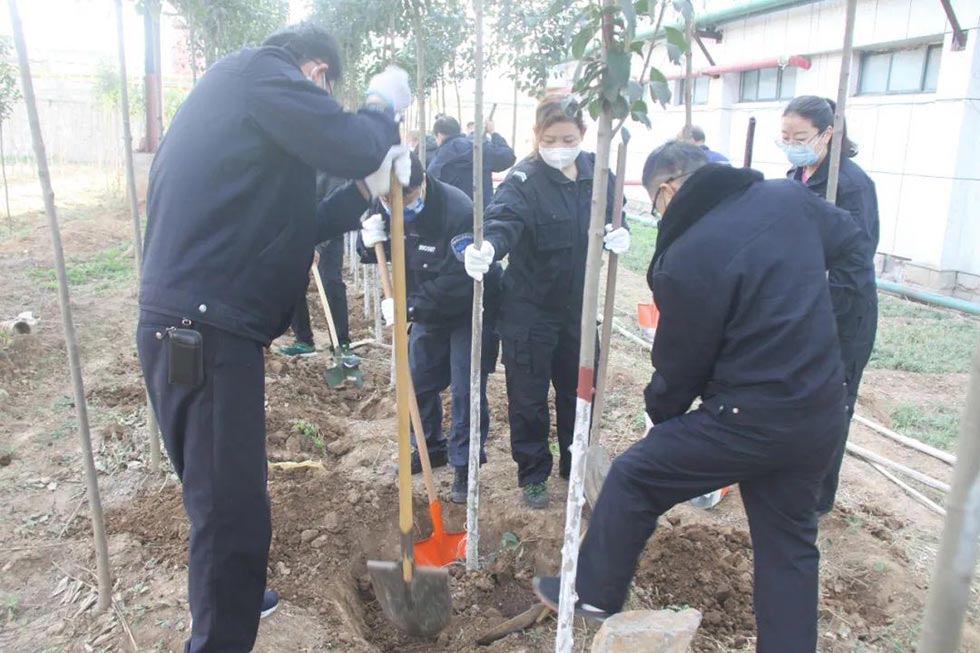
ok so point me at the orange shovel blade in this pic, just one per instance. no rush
(440, 548)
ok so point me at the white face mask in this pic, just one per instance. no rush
(559, 157)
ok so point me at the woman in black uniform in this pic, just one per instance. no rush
(540, 217)
(808, 126)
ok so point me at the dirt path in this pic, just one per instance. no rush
(878, 548)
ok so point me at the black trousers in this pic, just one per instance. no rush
(215, 437)
(539, 349)
(856, 353)
(778, 471)
(331, 269)
(439, 357)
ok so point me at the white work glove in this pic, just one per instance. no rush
(373, 231)
(391, 85)
(616, 241)
(477, 261)
(379, 182)
(647, 422)
(388, 311)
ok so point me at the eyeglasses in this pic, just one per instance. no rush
(656, 195)
(784, 143)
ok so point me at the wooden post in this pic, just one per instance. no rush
(583, 403)
(71, 338)
(842, 89)
(476, 347)
(949, 591)
(610, 299)
(153, 430)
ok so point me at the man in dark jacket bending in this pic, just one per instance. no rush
(438, 227)
(746, 324)
(453, 161)
(229, 242)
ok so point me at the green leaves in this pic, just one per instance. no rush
(617, 74)
(659, 88)
(677, 44)
(581, 41)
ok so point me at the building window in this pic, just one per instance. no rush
(768, 84)
(900, 71)
(700, 96)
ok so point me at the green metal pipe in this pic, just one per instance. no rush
(929, 298)
(728, 14)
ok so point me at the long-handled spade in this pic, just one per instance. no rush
(440, 548)
(336, 373)
(597, 459)
(415, 599)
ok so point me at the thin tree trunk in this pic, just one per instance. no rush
(134, 209)
(586, 373)
(192, 51)
(513, 129)
(949, 591)
(6, 191)
(689, 78)
(71, 338)
(476, 346)
(420, 81)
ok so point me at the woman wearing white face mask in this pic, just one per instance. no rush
(540, 217)
(808, 126)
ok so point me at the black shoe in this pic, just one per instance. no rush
(548, 591)
(436, 459)
(460, 485)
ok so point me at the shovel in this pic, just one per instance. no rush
(336, 373)
(415, 599)
(597, 458)
(440, 548)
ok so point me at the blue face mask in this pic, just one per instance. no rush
(801, 154)
(411, 212)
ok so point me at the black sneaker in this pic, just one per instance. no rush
(536, 495)
(460, 485)
(548, 591)
(270, 603)
(436, 459)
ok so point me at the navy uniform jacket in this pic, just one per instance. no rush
(232, 196)
(746, 319)
(439, 290)
(856, 195)
(453, 163)
(540, 218)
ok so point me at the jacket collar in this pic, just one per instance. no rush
(819, 177)
(703, 191)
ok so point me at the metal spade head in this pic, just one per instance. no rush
(420, 607)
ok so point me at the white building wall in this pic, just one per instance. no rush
(922, 150)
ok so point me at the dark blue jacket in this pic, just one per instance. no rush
(453, 163)
(231, 201)
(541, 218)
(714, 157)
(746, 319)
(439, 290)
(858, 324)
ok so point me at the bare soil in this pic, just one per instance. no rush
(331, 517)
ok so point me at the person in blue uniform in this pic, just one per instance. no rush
(453, 161)
(746, 325)
(540, 218)
(231, 225)
(808, 126)
(695, 135)
(438, 226)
